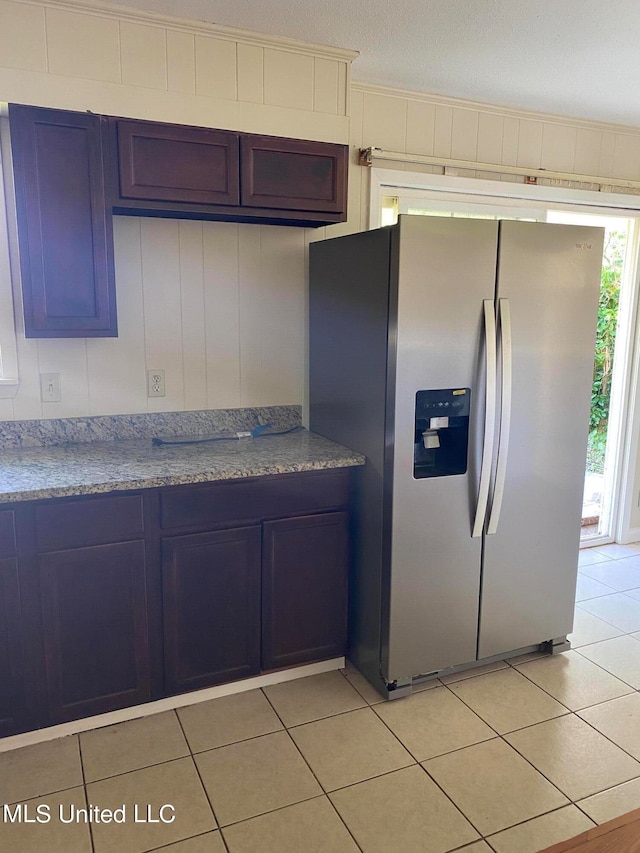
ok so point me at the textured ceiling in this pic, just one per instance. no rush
(571, 57)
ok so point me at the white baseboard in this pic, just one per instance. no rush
(137, 711)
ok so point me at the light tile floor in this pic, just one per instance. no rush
(511, 757)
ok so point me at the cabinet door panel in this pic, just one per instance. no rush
(293, 174)
(166, 162)
(12, 700)
(95, 629)
(304, 591)
(211, 594)
(64, 227)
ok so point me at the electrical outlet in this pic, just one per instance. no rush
(50, 388)
(155, 383)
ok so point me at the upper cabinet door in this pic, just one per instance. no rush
(294, 174)
(64, 225)
(169, 162)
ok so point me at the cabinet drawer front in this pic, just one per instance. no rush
(91, 521)
(237, 501)
(293, 174)
(164, 162)
(7, 533)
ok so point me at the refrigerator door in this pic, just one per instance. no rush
(551, 276)
(444, 270)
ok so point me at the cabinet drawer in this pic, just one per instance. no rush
(7, 533)
(90, 521)
(237, 501)
(168, 162)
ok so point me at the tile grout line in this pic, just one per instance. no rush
(86, 792)
(197, 769)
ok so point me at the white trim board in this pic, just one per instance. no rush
(181, 701)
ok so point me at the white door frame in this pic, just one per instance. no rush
(626, 479)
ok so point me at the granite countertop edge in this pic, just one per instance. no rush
(74, 470)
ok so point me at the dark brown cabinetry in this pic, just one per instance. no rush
(113, 600)
(172, 163)
(193, 172)
(304, 589)
(64, 224)
(211, 594)
(294, 175)
(73, 170)
(95, 629)
(12, 676)
(91, 581)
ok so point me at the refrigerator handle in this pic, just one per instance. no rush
(489, 415)
(504, 314)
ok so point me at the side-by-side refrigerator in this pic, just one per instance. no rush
(457, 355)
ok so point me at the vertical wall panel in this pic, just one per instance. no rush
(342, 89)
(510, 138)
(288, 79)
(464, 134)
(421, 124)
(325, 86)
(250, 310)
(443, 131)
(626, 156)
(22, 36)
(607, 148)
(143, 55)
(587, 155)
(250, 73)
(194, 357)
(162, 309)
(558, 147)
(117, 367)
(282, 283)
(490, 131)
(81, 45)
(215, 68)
(222, 313)
(530, 144)
(68, 358)
(384, 122)
(181, 62)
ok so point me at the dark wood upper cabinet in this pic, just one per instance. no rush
(172, 170)
(169, 162)
(293, 174)
(64, 223)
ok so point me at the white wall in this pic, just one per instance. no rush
(220, 307)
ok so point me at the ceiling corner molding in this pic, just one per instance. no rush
(464, 104)
(202, 28)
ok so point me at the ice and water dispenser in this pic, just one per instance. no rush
(441, 436)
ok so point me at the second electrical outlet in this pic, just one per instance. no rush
(155, 383)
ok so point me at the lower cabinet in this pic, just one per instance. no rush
(94, 619)
(12, 677)
(114, 600)
(304, 589)
(211, 607)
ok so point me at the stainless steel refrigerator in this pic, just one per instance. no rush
(457, 355)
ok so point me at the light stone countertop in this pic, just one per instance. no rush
(82, 469)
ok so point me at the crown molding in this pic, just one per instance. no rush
(511, 112)
(202, 28)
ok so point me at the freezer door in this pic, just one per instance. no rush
(444, 269)
(551, 276)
